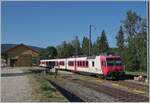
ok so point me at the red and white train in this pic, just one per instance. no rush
(106, 65)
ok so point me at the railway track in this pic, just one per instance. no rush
(132, 85)
(77, 93)
(122, 95)
(121, 83)
(116, 93)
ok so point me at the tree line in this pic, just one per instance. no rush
(75, 48)
(131, 42)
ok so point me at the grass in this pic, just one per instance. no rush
(135, 73)
(43, 91)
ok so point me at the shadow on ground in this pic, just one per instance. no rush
(15, 74)
(70, 96)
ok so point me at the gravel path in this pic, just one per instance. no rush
(15, 88)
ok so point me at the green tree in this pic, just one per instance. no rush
(120, 39)
(52, 52)
(104, 47)
(65, 50)
(132, 24)
(120, 42)
(76, 46)
(141, 46)
(49, 53)
(96, 46)
(85, 46)
(135, 30)
(69, 50)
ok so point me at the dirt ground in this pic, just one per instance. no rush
(15, 86)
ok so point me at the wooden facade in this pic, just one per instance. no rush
(20, 55)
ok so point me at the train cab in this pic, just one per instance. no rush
(112, 66)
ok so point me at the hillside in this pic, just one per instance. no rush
(5, 47)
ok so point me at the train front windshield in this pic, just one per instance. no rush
(114, 62)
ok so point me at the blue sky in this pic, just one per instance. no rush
(49, 23)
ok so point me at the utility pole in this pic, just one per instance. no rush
(90, 40)
(76, 46)
(90, 30)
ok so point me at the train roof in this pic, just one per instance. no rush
(84, 57)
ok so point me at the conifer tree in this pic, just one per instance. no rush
(103, 42)
(85, 46)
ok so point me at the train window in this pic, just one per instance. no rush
(69, 63)
(83, 63)
(56, 63)
(86, 63)
(93, 63)
(78, 64)
(48, 63)
(53, 63)
(61, 62)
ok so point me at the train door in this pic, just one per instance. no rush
(97, 66)
(91, 65)
(65, 63)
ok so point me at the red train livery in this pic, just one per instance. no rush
(106, 65)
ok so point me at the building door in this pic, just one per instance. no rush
(13, 62)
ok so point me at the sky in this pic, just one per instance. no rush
(50, 23)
